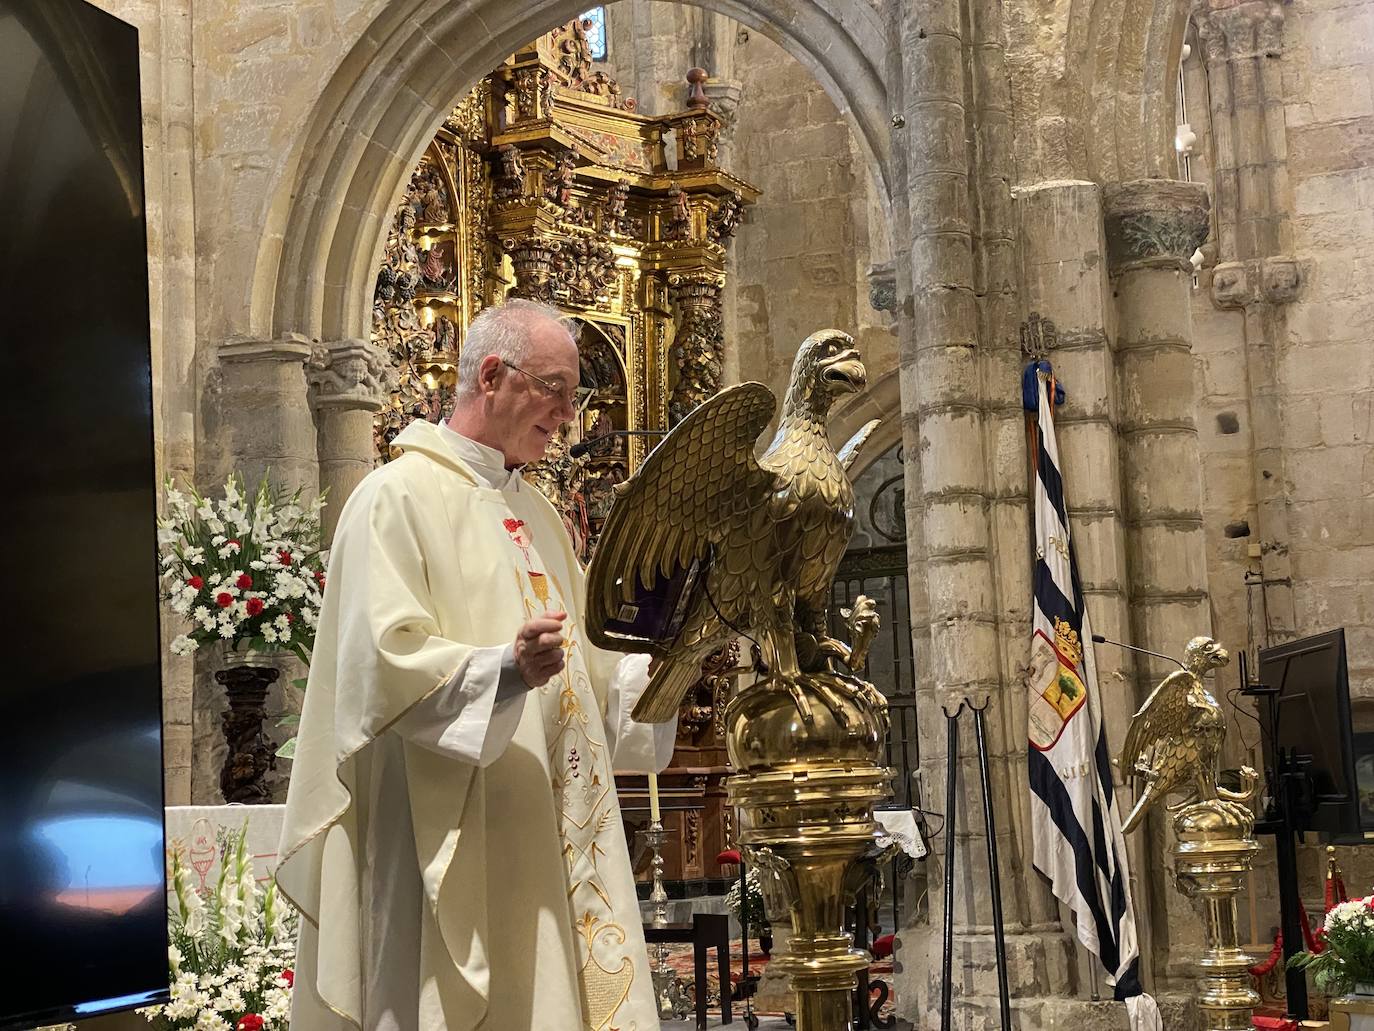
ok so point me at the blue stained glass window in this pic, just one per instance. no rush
(595, 23)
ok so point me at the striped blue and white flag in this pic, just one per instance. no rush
(1075, 822)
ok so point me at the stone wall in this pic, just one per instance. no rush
(1284, 367)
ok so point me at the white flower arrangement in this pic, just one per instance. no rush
(243, 571)
(231, 950)
(1344, 955)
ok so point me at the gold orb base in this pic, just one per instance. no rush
(806, 795)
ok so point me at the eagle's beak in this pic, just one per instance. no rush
(845, 373)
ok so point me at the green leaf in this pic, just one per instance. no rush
(300, 682)
(291, 719)
(287, 750)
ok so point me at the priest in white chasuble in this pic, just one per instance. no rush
(452, 835)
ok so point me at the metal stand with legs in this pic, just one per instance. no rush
(994, 877)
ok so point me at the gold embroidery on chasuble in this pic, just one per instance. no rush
(588, 816)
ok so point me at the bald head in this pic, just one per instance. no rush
(516, 377)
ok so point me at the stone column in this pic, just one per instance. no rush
(1254, 272)
(961, 247)
(1152, 228)
(260, 415)
(1067, 298)
(349, 380)
(257, 421)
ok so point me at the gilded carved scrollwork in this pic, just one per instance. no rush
(698, 349)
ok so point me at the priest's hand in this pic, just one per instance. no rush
(539, 648)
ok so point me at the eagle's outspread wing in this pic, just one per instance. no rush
(695, 511)
(849, 453)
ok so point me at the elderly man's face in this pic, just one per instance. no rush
(525, 412)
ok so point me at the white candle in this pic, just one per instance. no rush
(654, 814)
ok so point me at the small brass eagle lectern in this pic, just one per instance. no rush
(1173, 746)
(707, 543)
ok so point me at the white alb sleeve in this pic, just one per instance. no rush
(635, 747)
(465, 719)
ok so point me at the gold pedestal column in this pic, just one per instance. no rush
(1216, 847)
(806, 792)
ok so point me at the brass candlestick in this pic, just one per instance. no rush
(1174, 746)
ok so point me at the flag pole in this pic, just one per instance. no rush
(951, 799)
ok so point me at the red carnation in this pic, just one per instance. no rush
(284, 557)
(319, 578)
(290, 618)
(250, 1022)
(224, 599)
(289, 976)
(244, 582)
(254, 606)
(196, 582)
(233, 541)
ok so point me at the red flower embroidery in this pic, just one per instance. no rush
(196, 582)
(224, 599)
(512, 525)
(254, 606)
(244, 582)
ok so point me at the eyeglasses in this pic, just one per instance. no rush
(581, 396)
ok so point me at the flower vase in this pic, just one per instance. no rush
(246, 678)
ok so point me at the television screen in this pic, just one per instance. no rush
(1313, 719)
(82, 894)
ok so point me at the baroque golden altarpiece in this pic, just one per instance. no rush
(546, 183)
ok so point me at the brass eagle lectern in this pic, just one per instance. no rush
(707, 543)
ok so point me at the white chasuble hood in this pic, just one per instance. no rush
(530, 920)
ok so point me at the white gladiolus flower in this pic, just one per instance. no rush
(167, 535)
(193, 555)
(183, 645)
(206, 511)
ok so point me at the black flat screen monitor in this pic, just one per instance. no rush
(1313, 719)
(82, 883)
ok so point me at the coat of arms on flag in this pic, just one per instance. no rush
(1055, 684)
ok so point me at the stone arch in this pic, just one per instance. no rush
(326, 222)
(1096, 79)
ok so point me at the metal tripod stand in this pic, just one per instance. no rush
(995, 885)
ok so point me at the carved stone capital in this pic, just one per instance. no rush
(724, 96)
(1234, 31)
(291, 347)
(1274, 280)
(1154, 223)
(1280, 278)
(351, 373)
(882, 287)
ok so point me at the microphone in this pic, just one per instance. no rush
(1099, 639)
(587, 446)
